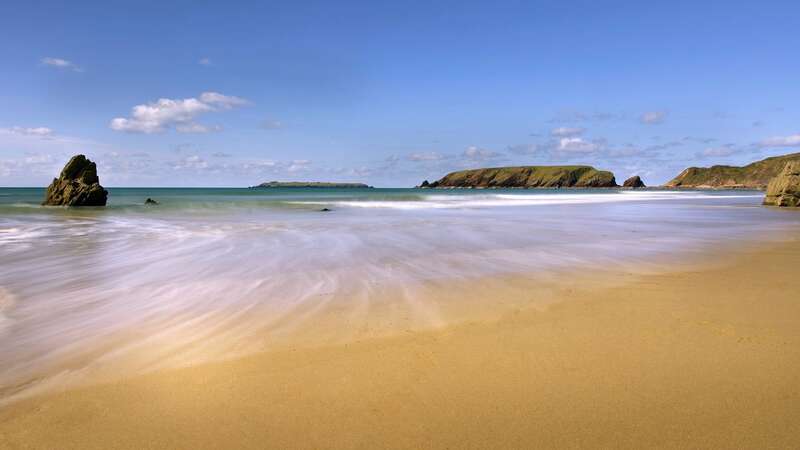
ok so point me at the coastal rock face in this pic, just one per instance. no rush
(752, 176)
(633, 182)
(528, 177)
(784, 190)
(78, 185)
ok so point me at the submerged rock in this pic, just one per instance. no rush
(633, 182)
(324, 210)
(150, 201)
(78, 185)
(784, 189)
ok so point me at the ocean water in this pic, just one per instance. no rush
(211, 273)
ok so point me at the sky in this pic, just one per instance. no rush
(391, 93)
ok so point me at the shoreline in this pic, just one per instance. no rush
(701, 356)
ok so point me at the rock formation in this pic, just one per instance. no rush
(78, 185)
(528, 177)
(784, 189)
(633, 182)
(752, 176)
(150, 201)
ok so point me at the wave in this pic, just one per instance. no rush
(443, 201)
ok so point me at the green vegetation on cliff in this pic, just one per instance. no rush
(752, 176)
(309, 184)
(528, 177)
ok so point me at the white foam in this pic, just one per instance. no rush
(537, 199)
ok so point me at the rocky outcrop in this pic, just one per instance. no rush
(633, 182)
(528, 177)
(752, 176)
(424, 185)
(78, 185)
(784, 189)
(150, 201)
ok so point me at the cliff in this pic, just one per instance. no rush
(527, 177)
(309, 184)
(784, 190)
(752, 176)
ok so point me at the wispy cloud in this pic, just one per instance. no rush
(60, 64)
(425, 156)
(40, 132)
(782, 141)
(653, 117)
(180, 114)
(204, 61)
(566, 131)
(474, 153)
(577, 145)
(712, 152)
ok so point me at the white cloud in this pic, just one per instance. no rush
(479, 154)
(298, 165)
(429, 156)
(566, 132)
(782, 141)
(190, 162)
(204, 61)
(180, 114)
(60, 64)
(653, 117)
(41, 132)
(577, 145)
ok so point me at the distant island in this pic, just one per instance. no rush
(309, 184)
(526, 177)
(752, 176)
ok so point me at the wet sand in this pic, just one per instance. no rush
(706, 356)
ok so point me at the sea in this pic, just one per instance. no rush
(211, 273)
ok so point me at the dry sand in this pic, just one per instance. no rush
(696, 358)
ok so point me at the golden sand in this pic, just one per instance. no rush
(695, 358)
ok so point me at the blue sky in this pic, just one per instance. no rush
(236, 93)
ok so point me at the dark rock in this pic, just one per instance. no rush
(150, 201)
(78, 185)
(425, 184)
(633, 182)
(324, 210)
(784, 189)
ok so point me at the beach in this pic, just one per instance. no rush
(400, 319)
(705, 358)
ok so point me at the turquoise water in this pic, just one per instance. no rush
(213, 272)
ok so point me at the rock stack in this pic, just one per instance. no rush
(633, 182)
(78, 185)
(784, 189)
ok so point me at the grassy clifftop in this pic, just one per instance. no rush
(752, 176)
(527, 177)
